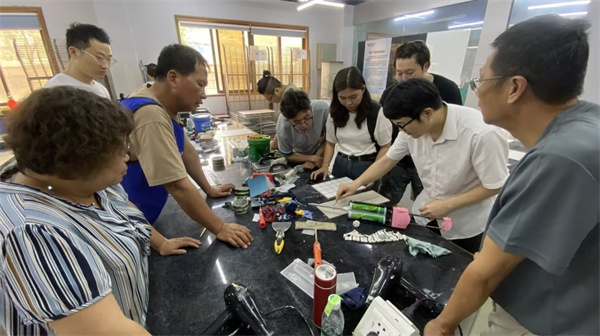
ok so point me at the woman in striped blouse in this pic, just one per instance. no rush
(73, 251)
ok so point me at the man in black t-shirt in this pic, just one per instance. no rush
(412, 60)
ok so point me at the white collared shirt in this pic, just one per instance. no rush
(469, 152)
(357, 142)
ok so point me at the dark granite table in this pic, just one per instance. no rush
(186, 292)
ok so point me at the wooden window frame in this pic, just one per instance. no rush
(44, 31)
(44, 28)
(305, 43)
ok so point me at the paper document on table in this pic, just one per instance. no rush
(235, 132)
(370, 196)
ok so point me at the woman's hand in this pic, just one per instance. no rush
(175, 246)
(323, 170)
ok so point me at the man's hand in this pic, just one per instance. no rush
(176, 246)
(345, 190)
(221, 190)
(436, 209)
(435, 328)
(317, 160)
(235, 234)
(309, 165)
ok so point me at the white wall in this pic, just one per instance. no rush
(59, 14)
(139, 29)
(495, 22)
(591, 89)
(152, 24)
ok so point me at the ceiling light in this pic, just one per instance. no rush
(320, 2)
(308, 4)
(456, 17)
(416, 15)
(573, 14)
(471, 29)
(560, 4)
(465, 24)
(332, 4)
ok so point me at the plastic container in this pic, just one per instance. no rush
(258, 145)
(333, 319)
(202, 122)
(325, 285)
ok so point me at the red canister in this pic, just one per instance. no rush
(325, 281)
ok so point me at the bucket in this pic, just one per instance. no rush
(202, 122)
(258, 145)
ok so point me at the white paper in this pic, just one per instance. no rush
(376, 65)
(309, 232)
(300, 54)
(260, 55)
(256, 218)
(286, 187)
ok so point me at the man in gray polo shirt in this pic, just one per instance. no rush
(301, 129)
(540, 260)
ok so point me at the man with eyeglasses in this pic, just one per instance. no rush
(301, 129)
(412, 60)
(90, 57)
(461, 160)
(540, 260)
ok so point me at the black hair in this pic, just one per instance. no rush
(79, 35)
(414, 48)
(350, 78)
(410, 97)
(180, 58)
(292, 102)
(267, 84)
(550, 51)
(151, 69)
(67, 132)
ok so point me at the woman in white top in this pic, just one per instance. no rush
(356, 124)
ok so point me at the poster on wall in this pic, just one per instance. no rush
(376, 64)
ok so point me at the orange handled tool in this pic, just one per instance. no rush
(261, 222)
(317, 251)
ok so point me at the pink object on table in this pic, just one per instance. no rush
(446, 224)
(400, 218)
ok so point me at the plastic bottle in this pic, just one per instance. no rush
(333, 319)
(190, 124)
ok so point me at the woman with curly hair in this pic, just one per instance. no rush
(356, 124)
(73, 257)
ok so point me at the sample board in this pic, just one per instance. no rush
(329, 188)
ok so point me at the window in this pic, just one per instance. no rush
(26, 58)
(230, 48)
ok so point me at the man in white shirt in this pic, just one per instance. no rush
(90, 57)
(461, 160)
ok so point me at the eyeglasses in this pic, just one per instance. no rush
(403, 126)
(475, 83)
(304, 121)
(101, 59)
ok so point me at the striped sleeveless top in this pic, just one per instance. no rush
(57, 257)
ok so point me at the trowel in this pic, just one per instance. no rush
(280, 228)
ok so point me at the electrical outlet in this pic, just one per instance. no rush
(383, 319)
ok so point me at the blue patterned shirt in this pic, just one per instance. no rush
(58, 257)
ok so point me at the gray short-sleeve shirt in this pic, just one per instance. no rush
(292, 141)
(548, 212)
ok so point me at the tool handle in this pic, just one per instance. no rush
(261, 222)
(317, 254)
(278, 245)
